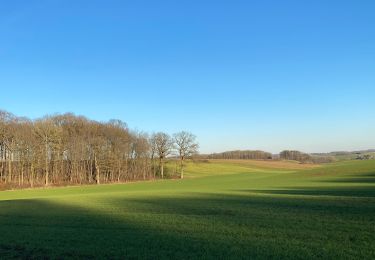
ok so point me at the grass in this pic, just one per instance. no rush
(223, 209)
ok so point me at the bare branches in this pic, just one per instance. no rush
(186, 146)
(163, 145)
(69, 149)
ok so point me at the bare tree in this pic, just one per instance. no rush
(7, 142)
(49, 134)
(69, 149)
(296, 156)
(243, 155)
(186, 146)
(153, 153)
(164, 144)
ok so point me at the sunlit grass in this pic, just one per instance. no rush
(220, 210)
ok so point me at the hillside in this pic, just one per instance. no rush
(226, 210)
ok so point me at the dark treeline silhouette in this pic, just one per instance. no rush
(304, 157)
(338, 153)
(350, 155)
(243, 155)
(68, 149)
(295, 156)
(261, 155)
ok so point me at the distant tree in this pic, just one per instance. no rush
(364, 157)
(243, 155)
(367, 157)
(48, 134)
(186, 146)
(163, 144)
(295, 156)
(153, 154)
(70, 149)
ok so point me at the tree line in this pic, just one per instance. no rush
(295, 156)
(304, 157)
(262, 155)
(67, 149)
(242, 155)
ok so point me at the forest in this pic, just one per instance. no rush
(67, 150)
(291, 155)
(246, 155)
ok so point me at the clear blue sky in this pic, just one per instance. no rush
(239, 74)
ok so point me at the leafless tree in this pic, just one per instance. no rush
(48, 134)
(186, 146)
(68, 149)
(164, 144)
(242, 155)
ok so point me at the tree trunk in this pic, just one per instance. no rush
(32, 175)
(182, 167)
(46, 164)
(47, 173)
(10, 168)
(97, 170)
(162, 168)
(22, 174)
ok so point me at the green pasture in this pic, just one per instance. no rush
(220, 210)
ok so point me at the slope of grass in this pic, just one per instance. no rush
(226, 167)
(221, 210)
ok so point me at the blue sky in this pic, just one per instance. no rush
(268, 75)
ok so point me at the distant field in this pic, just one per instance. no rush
(229, 167)
(223, 209)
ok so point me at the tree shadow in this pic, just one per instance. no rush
(363, 178)
(347, 191)
(349, 185)
(208, 226)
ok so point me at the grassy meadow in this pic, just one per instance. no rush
(222, 209)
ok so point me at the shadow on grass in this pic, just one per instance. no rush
(364, 178)
(355, 185)
(193, 226)
(366, 191)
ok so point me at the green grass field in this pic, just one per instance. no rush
(221, 210)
